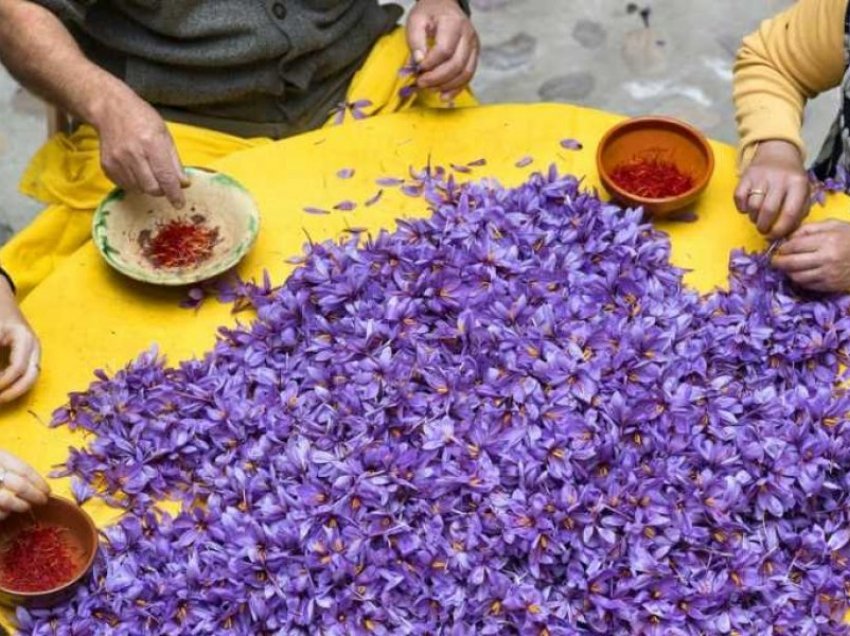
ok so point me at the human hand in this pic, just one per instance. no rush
(450, 63)
(774, 189)
(21, 487)
(136, 149)
(18, 339)
(817, 256)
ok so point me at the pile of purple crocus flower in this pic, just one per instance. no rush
(510, 418)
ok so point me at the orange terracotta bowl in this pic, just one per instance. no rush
(661, 138)
(81, 530)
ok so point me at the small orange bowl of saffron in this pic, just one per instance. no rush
(658, 163)
(45, 553)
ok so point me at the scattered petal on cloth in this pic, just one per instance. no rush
(312, 210)
(571, 144)
(355, 108)
(412, 190)
(345, 173)
(389, 182)
(509, 418)
(194, 298)
(525, 161)
(374, 199)
(345, 206)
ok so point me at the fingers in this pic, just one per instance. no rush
(144, 179)
(817, 256)
(418, 27)
(117, 165)
(769, 210)
(177, 166)
(798, 262)
(146, 161)
(24, 383)
(451, 88)
(778, 208)
(742, 194)
(448, 31)
(774, 189)
(810, 279)
(794, 209)
(22, 344)
(798, 244)
(754, 200)
(167, 171)
(11, 503)
(15, 465)
(452, 69)
(24, 489)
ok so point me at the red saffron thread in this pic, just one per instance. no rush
(37, 559)
(181, 243)
(652, 178)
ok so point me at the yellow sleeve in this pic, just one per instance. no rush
(790, 59)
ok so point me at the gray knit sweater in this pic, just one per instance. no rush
(248, 67)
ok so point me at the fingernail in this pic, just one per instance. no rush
(418, 56)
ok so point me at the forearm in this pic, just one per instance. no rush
(41, 53)
(791, 58)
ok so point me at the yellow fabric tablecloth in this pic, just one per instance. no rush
(90, 317)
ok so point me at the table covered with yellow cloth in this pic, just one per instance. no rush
(89, 317)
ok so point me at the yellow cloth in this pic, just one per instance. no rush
(790, 59)
(66, 175)
(105, 320)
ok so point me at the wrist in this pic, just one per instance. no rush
(7, 285)
(778, 148)
(99, 108)
(8, 301)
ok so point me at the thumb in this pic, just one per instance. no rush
(417, 35)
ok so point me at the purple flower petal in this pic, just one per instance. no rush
(571, 144)
(346, 206)
(525, 161)
(407, 92)
(374, 199)
(312, 210)
(412, 190)
(345, 173)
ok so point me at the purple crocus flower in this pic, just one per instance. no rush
(511, 417)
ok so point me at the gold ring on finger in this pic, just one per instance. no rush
(760, 193)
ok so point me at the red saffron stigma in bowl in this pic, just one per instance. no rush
(39, 558)
(652, 178)
(180, 243)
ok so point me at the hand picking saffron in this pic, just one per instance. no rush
(39, 558)
(651, 178)
(180, 243)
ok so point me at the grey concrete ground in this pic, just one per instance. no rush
(657, 56)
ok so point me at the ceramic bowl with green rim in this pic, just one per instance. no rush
(145, 238)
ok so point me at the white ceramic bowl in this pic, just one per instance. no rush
(124, 220)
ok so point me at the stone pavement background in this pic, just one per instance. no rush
(669, 57)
